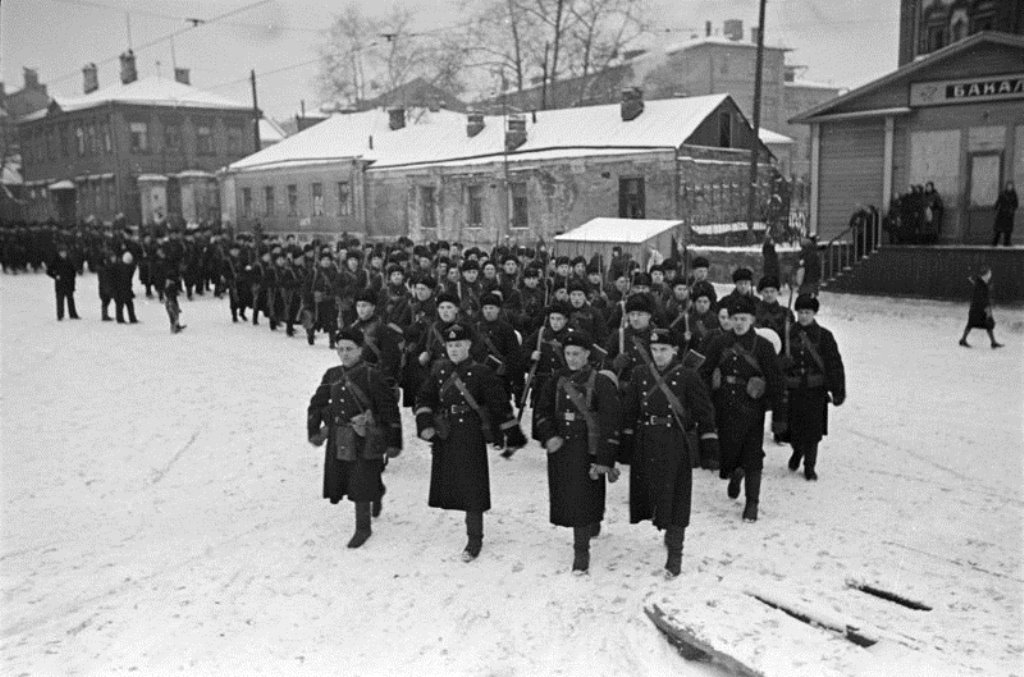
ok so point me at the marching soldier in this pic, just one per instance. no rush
(231, 275)
(461, 407)
(814, 375)
(770, 313)
(746, 380)
(625, 345)
(533, 300)
(500, 346)
(356, 413)
(663, 401)
(424, 313)
(583, 316)
(545, 355)
(324, 313)
(381, 342)
(578, 424)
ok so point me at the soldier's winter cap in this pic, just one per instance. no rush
(354, 254)
(680, 282)
(743, 274)
(656, 269)
(426, 280)
(704, 288)
(593, 269)
(448, 297)
(579, 260)
(641, 303)
(531, 272)
(661, 336)
(577, 285)
(576, 337)
(349, 334)
(701, 262)
(395, 268)
(511, 258)
(456, 332)
(562, 261)
(367, 296)
(471, 264)
(768, 282)
(642, 280)
(560, 308)
(742, 304)
(490, 300)
(443, 244)
(806, 302)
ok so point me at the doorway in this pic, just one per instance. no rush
(984, 179)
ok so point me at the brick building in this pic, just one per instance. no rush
(709, 64)
(929, 25)
(476, 178)
(146, 148)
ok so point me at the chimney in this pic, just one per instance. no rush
(707, 29)
(90, 79)
(733, 29)
(515, 133)
(396, 118)
(182, 75)
(474, 124)
(31, 78)
(754, 34)
(128, 72)
(632, 103)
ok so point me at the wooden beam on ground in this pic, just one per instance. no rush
(693, 648)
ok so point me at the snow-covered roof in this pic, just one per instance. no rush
(811, 84)
(438, 136)
(271, 131)
(768, 137)
(10, 173)
(626, 231)
(717, 40)
(151, 91)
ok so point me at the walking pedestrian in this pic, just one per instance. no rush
(979, 316)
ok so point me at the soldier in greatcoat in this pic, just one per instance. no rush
(460, 408)
(746, 380)
(381, 342)
(356, 413)
(578, 424)
(814, 376)
(500, 344)
(543, 352)
(62, 270)
(663, 400)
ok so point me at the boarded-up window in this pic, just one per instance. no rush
(293, 200)
(935, 157)
(204, 140)
(317, 193)
(475, 206)
(344, 199)
(268, 201)
(247, 202)
(428, 208)
(631, 198)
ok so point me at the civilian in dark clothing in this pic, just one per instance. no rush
(62, 270)
(1006, 206)
(980, 314)
(123, 295)
(808, 273)
(771, 258)
(105, 278)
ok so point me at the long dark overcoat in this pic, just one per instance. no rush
(809, 385)
(459, 473)
(576, 500)
(334, 403)
(980, 316)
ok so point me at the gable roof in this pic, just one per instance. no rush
(948, 52)
(430, 137)
(151, 91)
(607, 229)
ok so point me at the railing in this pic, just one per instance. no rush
(861, 238)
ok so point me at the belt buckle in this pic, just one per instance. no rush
(570, 416)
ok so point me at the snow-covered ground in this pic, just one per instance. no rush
(161, 514)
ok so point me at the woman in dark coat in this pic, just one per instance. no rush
(1006, 207)
(354, 462)
(980, 314)
(655, 441)
(814, 375)
(460, 408)
(578, 424)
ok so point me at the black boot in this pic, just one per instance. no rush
(674, 545)
(310, 338)
(362, 525)
(810, 460)
(378, 505)
(581, 549)
(753, 492)
(794, 460)
(595, 529)
(475, 532)
(733, 490)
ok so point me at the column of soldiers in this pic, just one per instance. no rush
(646, 369)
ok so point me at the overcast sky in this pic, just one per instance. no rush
(846, 42)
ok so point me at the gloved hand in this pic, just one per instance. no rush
(779, 426)
(392, 452)
(838, 399)
(535, 355)
(709, 453)
(319, 438)
(597, 470)
(428, 434)
(620, 362)
(554, 444)
(424, 358)
(514, 438)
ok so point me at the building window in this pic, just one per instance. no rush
(140, 137)
(172, 137)
(631, 198)
(428, 208)
(247, 202)
(204, 140)
(108, 144)
(520, 204)
(235, 136)
(268, 201)
(112, 195)
(51, 145)
(91, 140)
(344, 199)
(725, 129)
(65, 148)
(293, 200)
(983, 17)
(317, 193)
(80, 140)
(475, 206)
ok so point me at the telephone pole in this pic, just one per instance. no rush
(255, 112)
(755, 142)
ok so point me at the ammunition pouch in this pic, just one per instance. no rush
(716, 379)
(805, 381)
(442, 427)
(756, 387)
(318, 297)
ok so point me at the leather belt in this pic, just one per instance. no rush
(460, 409)
(660, 420)
(734, 380)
